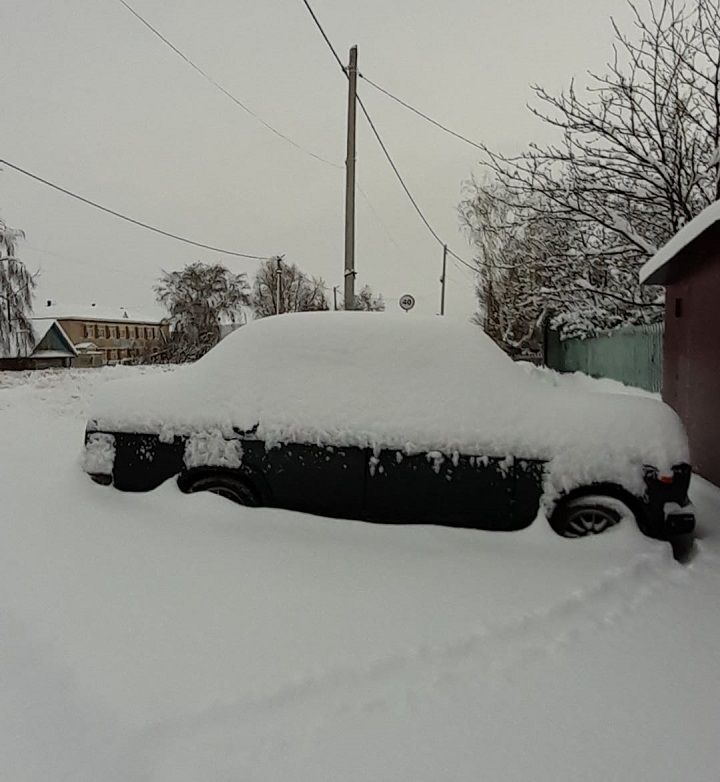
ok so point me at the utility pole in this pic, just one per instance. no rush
(350, 183)
(278, 290)
(442, 281)
(335, 290)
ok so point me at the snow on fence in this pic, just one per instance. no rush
(632, 355)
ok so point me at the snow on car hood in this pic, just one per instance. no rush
(395, 381)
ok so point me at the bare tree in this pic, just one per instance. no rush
(637, 158)
(16, 291)
(198, 299)
(298, 292)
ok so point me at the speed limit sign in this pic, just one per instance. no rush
(407, 302)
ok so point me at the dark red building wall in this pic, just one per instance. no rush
(691, 372)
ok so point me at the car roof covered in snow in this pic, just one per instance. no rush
(375, 380)
(672, 258)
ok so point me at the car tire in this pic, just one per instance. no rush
(579, 517)
(234, 489)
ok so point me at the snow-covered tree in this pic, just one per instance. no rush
(298, 291)
(367, 301)
(16, 291)
(198, 299)
(534, 268)
(637, 157)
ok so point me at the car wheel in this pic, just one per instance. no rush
(234, 489)
(589, 515)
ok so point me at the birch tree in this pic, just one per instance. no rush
(198, 299)
(16, 291)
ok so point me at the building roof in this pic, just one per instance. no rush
(41, 327)
(100, 312)
(672, 257)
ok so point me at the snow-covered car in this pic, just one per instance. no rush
(394, 419)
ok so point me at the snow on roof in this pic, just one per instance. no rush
(40, 328)
(92, 312)
(377, 380)
(652, 272)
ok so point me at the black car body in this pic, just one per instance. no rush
(499, 490)
(466, 491)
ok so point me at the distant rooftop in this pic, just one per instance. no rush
(40, 328)
(49, 308)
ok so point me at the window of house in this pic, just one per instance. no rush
(147, 333)
(96, 330)
(678, 307)
(87, 330)
(137, 332)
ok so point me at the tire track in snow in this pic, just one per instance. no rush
(400, 680)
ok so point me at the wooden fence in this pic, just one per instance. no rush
(632, 355)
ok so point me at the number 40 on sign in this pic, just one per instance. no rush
(407, 302)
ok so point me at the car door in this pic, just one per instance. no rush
(464, 491)
(325, 480)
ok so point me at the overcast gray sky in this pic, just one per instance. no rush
(93, 101)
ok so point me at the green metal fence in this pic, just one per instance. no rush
(632, 355)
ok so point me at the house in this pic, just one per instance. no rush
(53, 348)
(689, 268)
(105, 335)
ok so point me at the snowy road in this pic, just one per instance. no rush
(171, 637)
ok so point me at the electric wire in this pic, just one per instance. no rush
(324, 35)
(375, 214)
(223, 90)
(384, 148)
(462, 261)
(410, 196)
(463, 270)
(420, 113)
(132, 220)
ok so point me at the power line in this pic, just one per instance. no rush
(462, 270)
(376, 133)
(397, 173)
(324, 35)
(130, 219)
(400, 179)
(222, 89)
(374, 211)
(420, 113)
(462, 261)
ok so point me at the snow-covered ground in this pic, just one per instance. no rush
(169, 637)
